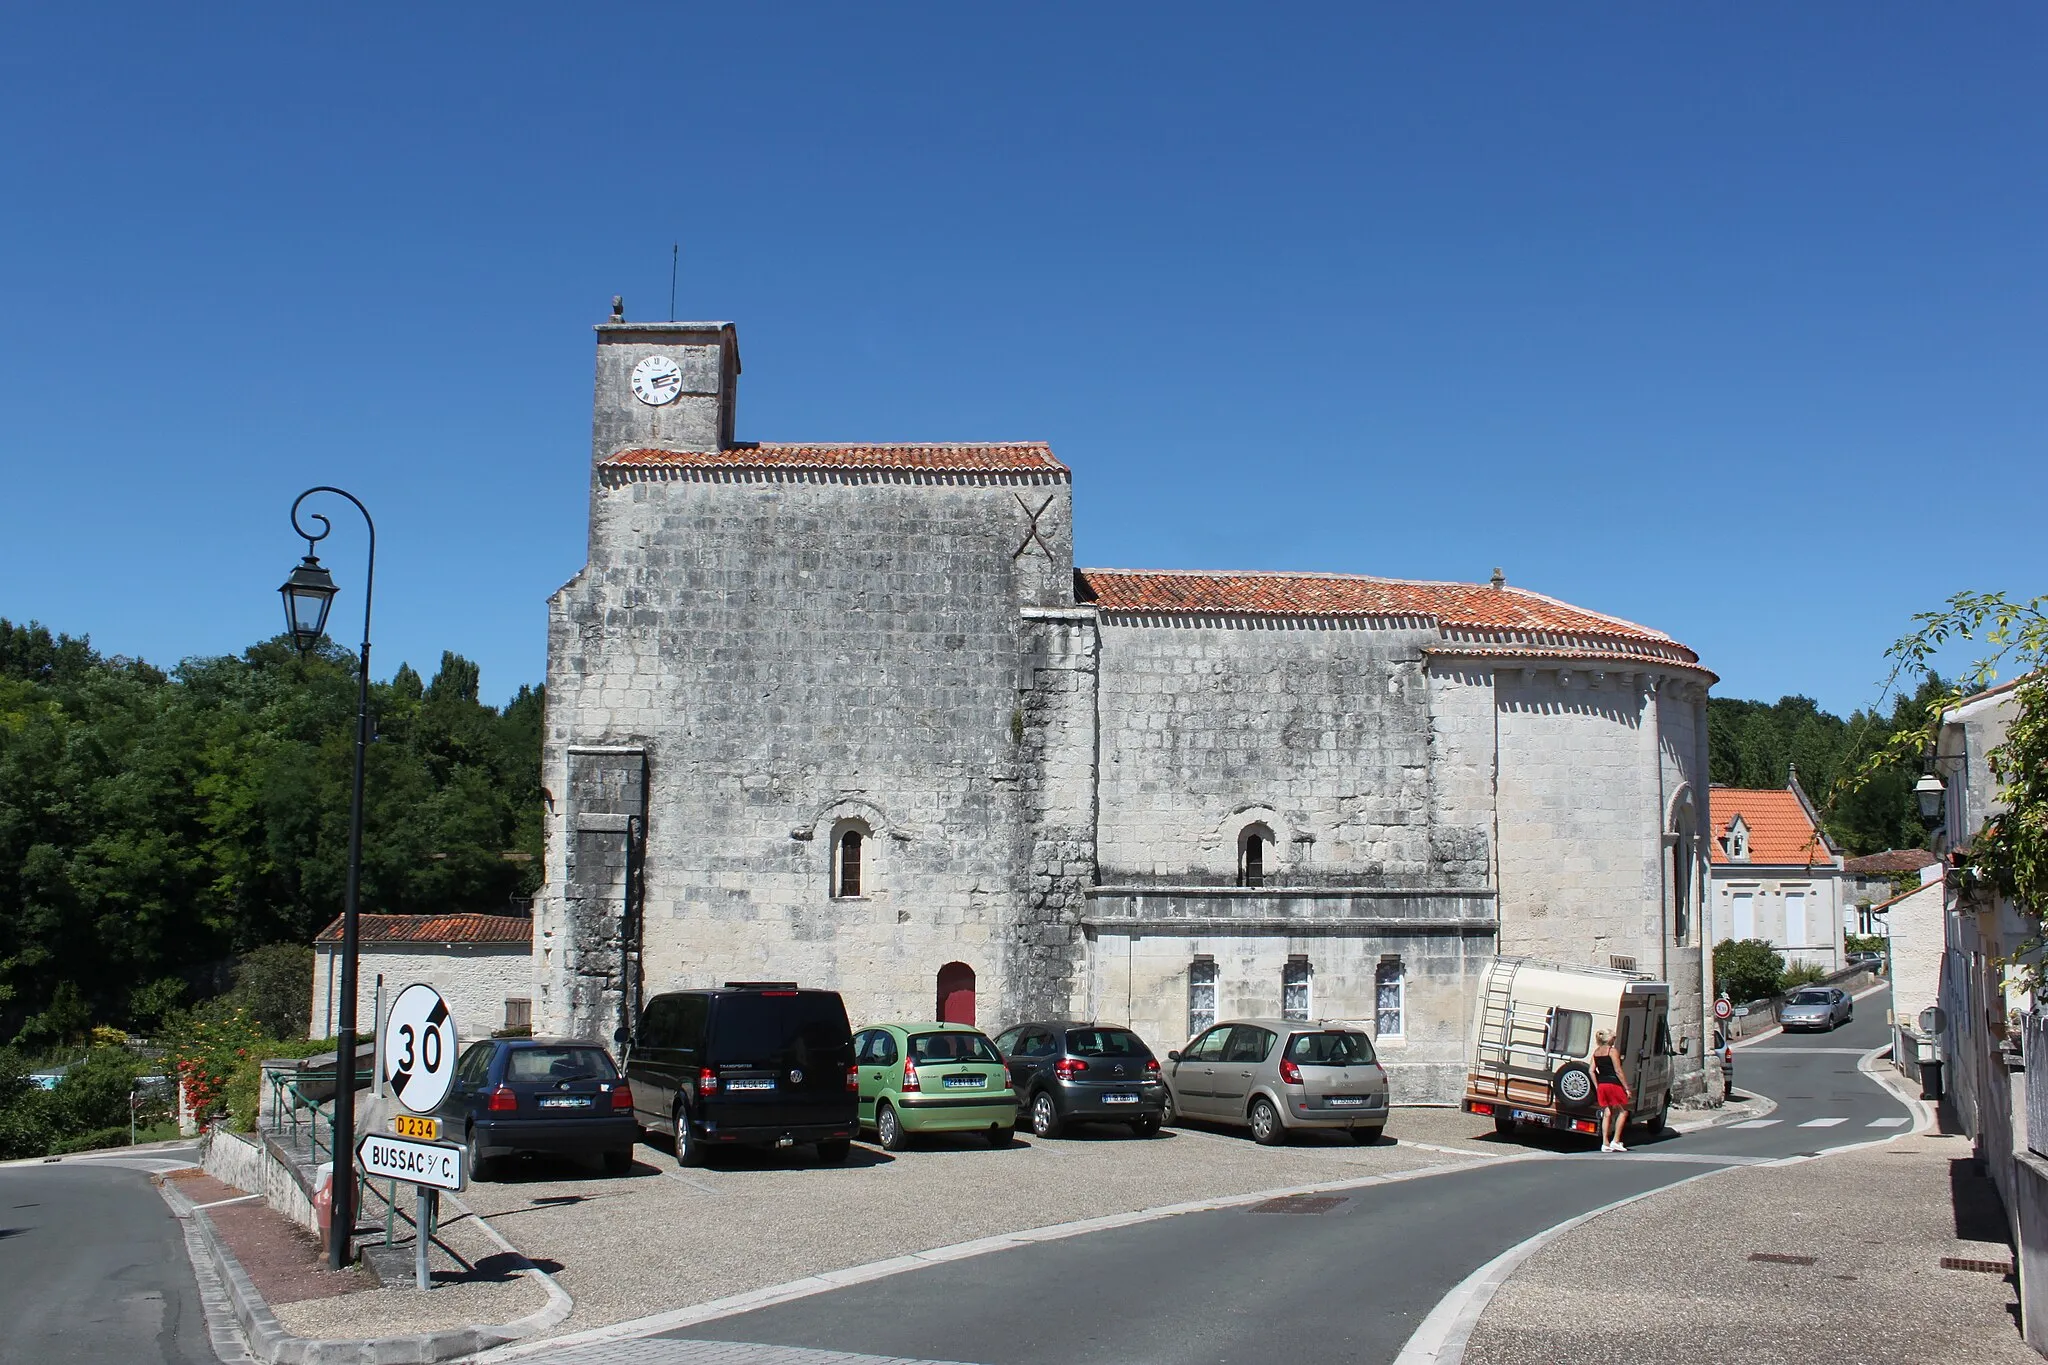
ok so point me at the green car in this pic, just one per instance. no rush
(932, 1078)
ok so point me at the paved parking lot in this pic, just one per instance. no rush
(666, 1238)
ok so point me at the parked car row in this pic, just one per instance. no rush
(768, 1064)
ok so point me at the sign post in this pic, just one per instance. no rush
(416, 1060)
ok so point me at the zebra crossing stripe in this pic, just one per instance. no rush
(1889, 1123)
(1755, 1123)
(1822, 1123)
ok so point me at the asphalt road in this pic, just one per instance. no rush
(93, 1269)
(1351, 1282)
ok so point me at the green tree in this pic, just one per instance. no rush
(1747, 969)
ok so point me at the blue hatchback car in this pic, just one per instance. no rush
(561, 1096)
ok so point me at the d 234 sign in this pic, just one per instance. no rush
(416, 1049)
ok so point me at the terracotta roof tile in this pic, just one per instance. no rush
(1892, 860)
(434, 929)
(1001, 457)
(1781, 834)
(1492, 616)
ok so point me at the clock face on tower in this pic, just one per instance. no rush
(657, 380)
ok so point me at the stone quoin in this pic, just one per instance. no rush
(883, 737)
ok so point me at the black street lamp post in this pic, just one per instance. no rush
(308, 593)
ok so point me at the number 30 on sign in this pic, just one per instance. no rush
(416, 1049)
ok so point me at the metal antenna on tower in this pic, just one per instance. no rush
(675, 253)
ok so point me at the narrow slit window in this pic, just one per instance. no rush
(847, 882)
(1295, 999)
(1254, 853)
(1390, 1004)
(1201, 996)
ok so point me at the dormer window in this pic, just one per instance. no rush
(1738, 840)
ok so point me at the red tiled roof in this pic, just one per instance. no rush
(1781, 834)
(434, 929)
(1528, 617)
(1002, 457)
(1892, 860)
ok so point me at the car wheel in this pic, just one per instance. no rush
(1045, 1116)
(832, 1151)
(618, 1163)
(889, 1128)
(1168, 1114)
(689, 1147)
(1145, 1128)
(999, 1138)
(1265, 1120)
(481, 1167)
(1365, 1137)
(1655, 1126)
(1503, 1125)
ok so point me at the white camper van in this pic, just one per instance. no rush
(1532, 1040)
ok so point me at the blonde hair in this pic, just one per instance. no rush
(1604, 1037)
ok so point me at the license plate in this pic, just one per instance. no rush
(405, 1125)
(564, 1102)
(1119, 1099)
(1344, 1101)
(785, 1142)
(1525, 1114)
(966, 1082)
(750, 1085)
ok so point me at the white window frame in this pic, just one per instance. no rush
(1202, 975)
(836, 883)
(1399, 982)
(1306, 981)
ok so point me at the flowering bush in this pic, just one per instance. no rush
(206, 1048)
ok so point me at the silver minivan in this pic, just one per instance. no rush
(1277, 1075)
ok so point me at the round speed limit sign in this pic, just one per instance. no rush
(416, 1049)
(1722, 1009)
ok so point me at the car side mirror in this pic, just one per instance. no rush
(1173, 1056)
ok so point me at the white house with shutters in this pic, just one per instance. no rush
(1775, 875)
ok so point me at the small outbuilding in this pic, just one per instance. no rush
(481, 964)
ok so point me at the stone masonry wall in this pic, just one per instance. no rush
(476, 981)
(1319, 730)
(800, 656)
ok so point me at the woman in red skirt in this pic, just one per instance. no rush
(1610, 1091)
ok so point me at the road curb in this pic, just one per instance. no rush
(269, 1342)
(1736, 1111)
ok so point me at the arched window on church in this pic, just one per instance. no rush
(846, 860)
(1254, 855)
(1682, 875)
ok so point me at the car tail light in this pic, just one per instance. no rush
(622, 1100)
(910, 1081)
(1289, 1072)
(1069, 1067)
(1481, 1109)
(853, 1080)
(502, 1098)
(1583, 1126)
(707, 1081)
(1151, 1066)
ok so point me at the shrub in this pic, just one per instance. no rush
(1747, 969)
(1803, 975)
(1865, 943)
(275, 985)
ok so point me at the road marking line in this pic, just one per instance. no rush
(238, 1199)
(1755, 1123)
(1822, 1123)
(1889, 1123)
(691, 1181)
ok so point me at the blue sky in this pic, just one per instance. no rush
(1713, 317)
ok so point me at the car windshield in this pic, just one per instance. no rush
(798, 1029)
(1809, 998)
(1330, 1049)
(532, 1065)
(936, 1049)
(1106, 1042)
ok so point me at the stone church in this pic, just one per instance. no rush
(847, 714)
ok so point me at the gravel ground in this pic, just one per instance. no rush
(663, 1238)
(1669, 1278)
(474, 1282)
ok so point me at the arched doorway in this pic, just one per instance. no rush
(956, 993)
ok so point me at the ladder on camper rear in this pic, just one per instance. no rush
(1505, 1032)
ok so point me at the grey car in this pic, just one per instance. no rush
(1275, 1076)
(1816, 1007)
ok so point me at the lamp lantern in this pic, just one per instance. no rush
(307, 593)
(1931, 792)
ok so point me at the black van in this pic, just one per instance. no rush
(758, 1063)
